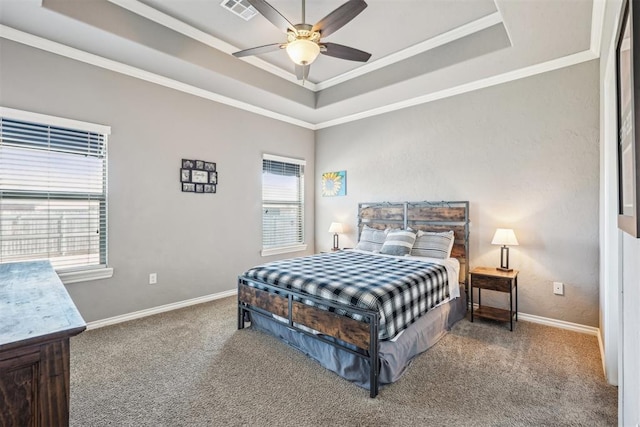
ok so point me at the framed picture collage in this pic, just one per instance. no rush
(198, 176)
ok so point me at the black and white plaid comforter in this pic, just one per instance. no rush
(400, 289)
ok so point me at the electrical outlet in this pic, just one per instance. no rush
(558, 288)
(153, 278)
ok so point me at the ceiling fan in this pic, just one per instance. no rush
(303, 40)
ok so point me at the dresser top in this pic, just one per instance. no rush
(34, 305)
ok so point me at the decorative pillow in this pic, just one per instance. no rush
(371, 239)
(398, 242)
(433, 245)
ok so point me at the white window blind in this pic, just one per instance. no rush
(53, 198)
(282, 202)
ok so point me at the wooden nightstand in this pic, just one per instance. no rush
(495, 280)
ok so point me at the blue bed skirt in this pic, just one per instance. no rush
(395, 356)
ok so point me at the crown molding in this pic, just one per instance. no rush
(185, 29)
(439, 40)
(89, 58)
(597, 24)
(532, 70)
(99, 61)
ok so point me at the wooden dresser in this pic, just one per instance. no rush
(37, 317)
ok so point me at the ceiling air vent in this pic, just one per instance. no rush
(242, 8)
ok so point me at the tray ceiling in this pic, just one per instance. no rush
(421, 50)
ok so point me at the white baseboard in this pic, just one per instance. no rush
(160, 309)
(601, 346)
(576, 327)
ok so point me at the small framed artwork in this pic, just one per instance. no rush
(628, 85)
(334, 183)
(198, 176)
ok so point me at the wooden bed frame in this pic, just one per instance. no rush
(357, 337)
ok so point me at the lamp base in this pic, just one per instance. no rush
(504, 260)
(335, 242)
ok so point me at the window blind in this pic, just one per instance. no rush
(282, 202)
(53, 198)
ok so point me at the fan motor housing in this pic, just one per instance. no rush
(304, 32)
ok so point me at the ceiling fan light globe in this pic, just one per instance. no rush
(303, 52)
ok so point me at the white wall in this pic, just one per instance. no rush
(630, 383)
(197, 243)
(620, 284)
(525, 154)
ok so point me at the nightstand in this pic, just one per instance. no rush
(495, 280)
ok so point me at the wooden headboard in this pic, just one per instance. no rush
(425, 216)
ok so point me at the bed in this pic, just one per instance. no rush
(366, 313)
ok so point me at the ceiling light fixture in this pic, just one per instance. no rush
(304, 40)
(303, 51)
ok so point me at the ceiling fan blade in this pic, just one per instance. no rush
(302, 71)
(258, 50)
(339, 17)
(273, 15)
(345, 52)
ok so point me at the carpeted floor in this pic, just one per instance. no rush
(191, 367)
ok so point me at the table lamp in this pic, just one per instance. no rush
(505, 237)
(335, 228)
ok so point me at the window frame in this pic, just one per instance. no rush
(78, 273)
(297, 247)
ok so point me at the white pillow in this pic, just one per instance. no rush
(371, 240)
(433, 245)
(398, 242)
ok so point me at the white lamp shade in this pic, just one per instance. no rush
(505, 237)
(302, 51)
(336, 227)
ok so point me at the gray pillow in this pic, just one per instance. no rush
(398, 242)
(371, 240)
(433, 245)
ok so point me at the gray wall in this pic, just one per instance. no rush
(525, 154)
(197, 244)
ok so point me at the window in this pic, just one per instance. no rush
(282, 205)
(53, 195)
